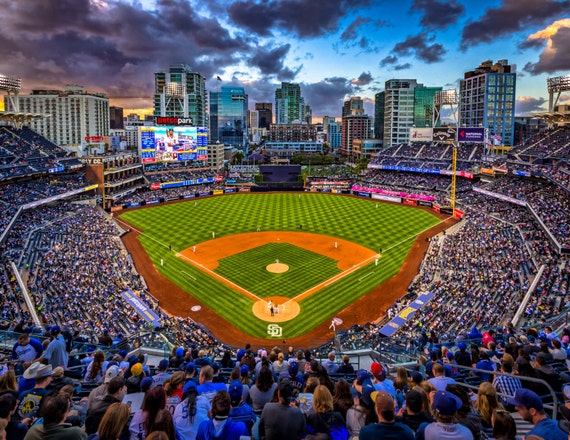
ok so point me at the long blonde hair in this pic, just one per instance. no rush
(487, 401)
(322, 399)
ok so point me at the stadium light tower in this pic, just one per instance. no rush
(11, 86)
(556, 85)
(442, 99)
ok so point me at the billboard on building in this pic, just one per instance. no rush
(471, 134)
(445, 134)
(421, 134)
(173, 143)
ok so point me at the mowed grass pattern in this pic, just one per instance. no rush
(368, 223)
(306, 269)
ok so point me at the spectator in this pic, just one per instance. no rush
(263, 390)
(439, 381)
(445, 406)
(96, 368)
(486, 403)
(116, 390)
(412, 414)
(387, 426)
(342, 397)
(190, 413)
(506, 384)
(530, 408)
(324, 419)
(54, 412)
(345, 367)
(30, 400)
(56, 353)
(154, 401)
(207, 387)
(27, 350)
(281, 420)
(241, 411)
(504, 426)
(220, 426)
(114, 423)
(330, 363)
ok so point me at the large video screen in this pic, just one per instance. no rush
(173, 143)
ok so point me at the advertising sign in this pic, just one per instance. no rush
(471, 134)
(445, 134)
(173, 143)
(421, 134)
(165, 120)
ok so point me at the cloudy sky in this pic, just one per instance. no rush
(333, 48)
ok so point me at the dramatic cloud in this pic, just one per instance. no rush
(420, 45)
(438, 14)
(511, 16)
(87, 43)
(351, 32)
(556, 56)
(529, 104)
(302, 18)
(390, 59)
(271, 62)
(402, 66)
(364, 79)
(327, 96)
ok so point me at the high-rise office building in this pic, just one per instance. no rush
(487, 97)
(293, 133)
(229, 116)
(265, 110)
(334, 136)
(423, 105)
(116, 118)
(354, 106)
(379, 99)
(289, 104)
(398, 110)
(180, 93)
(74, 114)
(355, 124)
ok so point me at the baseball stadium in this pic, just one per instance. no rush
(166, 265)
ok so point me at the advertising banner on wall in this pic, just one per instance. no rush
(471, 134)
(421, 134)
(445, 134)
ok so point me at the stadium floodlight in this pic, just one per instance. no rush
(10, 84)
(556, 85)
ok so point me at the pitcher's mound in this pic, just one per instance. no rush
(284, 309)
(277, 268)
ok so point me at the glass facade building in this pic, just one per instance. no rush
(423, 105)
(228, 116)
(289, 104)
(487, 99)
(180, 93)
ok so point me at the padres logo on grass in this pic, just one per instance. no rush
(274, 330)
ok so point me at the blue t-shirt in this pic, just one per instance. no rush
(548, 428)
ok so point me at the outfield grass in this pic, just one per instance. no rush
(370, 224)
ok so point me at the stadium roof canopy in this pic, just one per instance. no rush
(553, 117)
(18, 119)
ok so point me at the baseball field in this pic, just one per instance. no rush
(276, 265)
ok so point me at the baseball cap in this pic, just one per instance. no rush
(145, 384)
(383, 401)
(361, 376)
(417, 377)
(55, 330)
(112, 371)
(163, 365)
(179, 352)
(293, 368)
(244, 369)
(446, 403)
(377, 370)
(137, 369)
(527, 399)
(461, 346)
(188, 386)
(235, 390)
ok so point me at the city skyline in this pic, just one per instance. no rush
(334, 49)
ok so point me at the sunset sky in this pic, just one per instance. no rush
(334, 48)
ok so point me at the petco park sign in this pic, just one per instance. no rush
(164, 120)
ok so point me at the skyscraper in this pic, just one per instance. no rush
(398, 110)
(228, 116)
(180, 93)
(265, 110)
(355, 124)
(379, 99)
(423, 105)
(116, 117)
(289, 104)
(487, 98)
